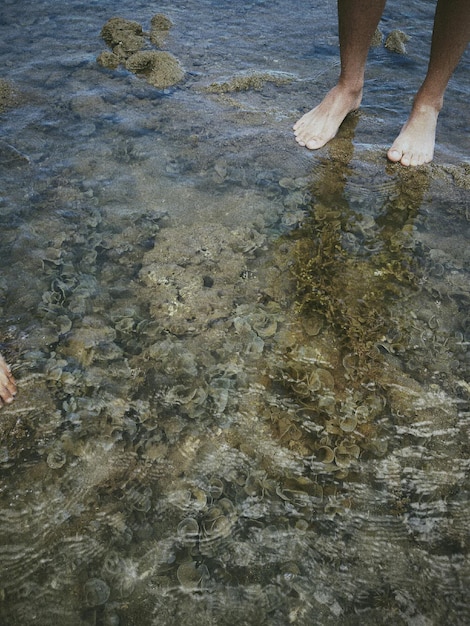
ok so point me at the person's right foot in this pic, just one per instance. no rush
(321, 124)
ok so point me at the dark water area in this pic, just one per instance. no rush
(243, 368)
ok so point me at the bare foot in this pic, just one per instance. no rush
(321, 124)
(415, 143)
(7, 384)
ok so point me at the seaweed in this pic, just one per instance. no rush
(255, 81)
(353, 276)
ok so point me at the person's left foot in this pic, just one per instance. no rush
(415, 143)
(7, 384)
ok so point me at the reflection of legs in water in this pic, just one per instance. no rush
(7, 384)
(357, 21)
(415, 143)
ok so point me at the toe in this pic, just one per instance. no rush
(314, 143)
(419, 159)
(6, 397)
(394, 155)
(299, 138)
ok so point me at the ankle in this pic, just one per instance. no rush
(352, 88)
(426, 102)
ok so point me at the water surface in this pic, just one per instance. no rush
(243, 367)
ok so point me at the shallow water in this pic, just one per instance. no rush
(243, 368)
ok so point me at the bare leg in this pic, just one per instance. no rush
(7, 384)
(357, 21)
(415, 143)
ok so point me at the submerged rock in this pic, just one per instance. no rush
(123, 34)
(161, 69)
(109, 60)
(160, 27)
(126, 40)
(396, 41)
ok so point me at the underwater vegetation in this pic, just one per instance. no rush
(366, 318)
(253, 80)
(351, 269)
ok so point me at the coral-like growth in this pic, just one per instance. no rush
(127, 40)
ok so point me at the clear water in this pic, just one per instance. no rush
(218, 421)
